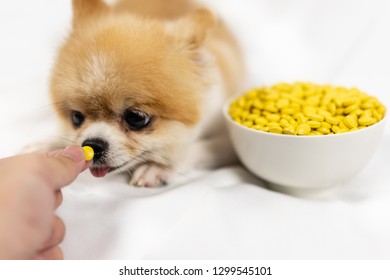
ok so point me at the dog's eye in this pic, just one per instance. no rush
(77, 119)
(136, 120)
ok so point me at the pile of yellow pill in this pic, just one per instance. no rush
(88, 152)
(306, 109)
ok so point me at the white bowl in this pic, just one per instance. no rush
(304, 165)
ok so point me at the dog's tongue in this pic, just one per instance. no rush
(99, 171)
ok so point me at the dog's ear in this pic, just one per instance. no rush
(190, 33)
(85, 10)
(196, 28)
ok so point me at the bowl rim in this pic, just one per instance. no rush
(226, 115)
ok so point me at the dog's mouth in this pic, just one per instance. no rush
(100, 171)
(101, 168)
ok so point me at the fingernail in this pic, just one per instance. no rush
(75, 153)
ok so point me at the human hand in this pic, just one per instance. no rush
(30, 191)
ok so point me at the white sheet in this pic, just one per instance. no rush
(224, 213)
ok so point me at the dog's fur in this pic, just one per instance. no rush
(169, 60)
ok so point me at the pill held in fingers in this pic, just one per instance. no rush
(89, 153)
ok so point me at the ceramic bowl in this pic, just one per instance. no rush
(303, 164)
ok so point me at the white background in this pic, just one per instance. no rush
(224, 213)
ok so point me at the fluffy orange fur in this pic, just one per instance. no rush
(161, 59)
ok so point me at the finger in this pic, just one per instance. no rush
(62, 167)
(86, 165)
(57, 233)
(51, 250)
(57, 168)
(53, 253)
(58, 198)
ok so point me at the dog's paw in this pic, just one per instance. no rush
(149, 176)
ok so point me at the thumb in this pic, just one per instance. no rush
(63, 166)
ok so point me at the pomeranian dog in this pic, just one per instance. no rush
(140, 81)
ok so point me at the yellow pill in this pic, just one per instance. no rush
(293, 122)
(296, 100)
(287, 117)
(342, 130)
(251, 117)
(248, 123)
(324, 113)
(381, 109)
(335, 128)
(314, 124)
(350, 121)
(273, 117)
(323, 130)
(332, 120)
(235, 115)
(289, 130)
(342, 125)
(367, 105)
(271, 108)
(288, 111)
(326, 125)
(350, 109)
(258, 104)
(297, 94)
(332, 108)
(244, 115)
(296, 107)
(252, 94)
(248, 105)
(377, 115)
(316, 117)
(303, 129)
(282, 103)
(284, 123)
(261, 121)
(300, 118)
(338, 102)
(350, 101)
(237, 120)
(367, 113)
(313, 100)
(315, 133)
(366, 120)
(89, 153)
(276, 129)
(309, 110)
(256, 112)
(273, 124)
(241, 102)
(271, 96)
(358, 112)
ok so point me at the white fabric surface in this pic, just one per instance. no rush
(224, 213)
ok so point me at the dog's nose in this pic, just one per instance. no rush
(98, 145)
